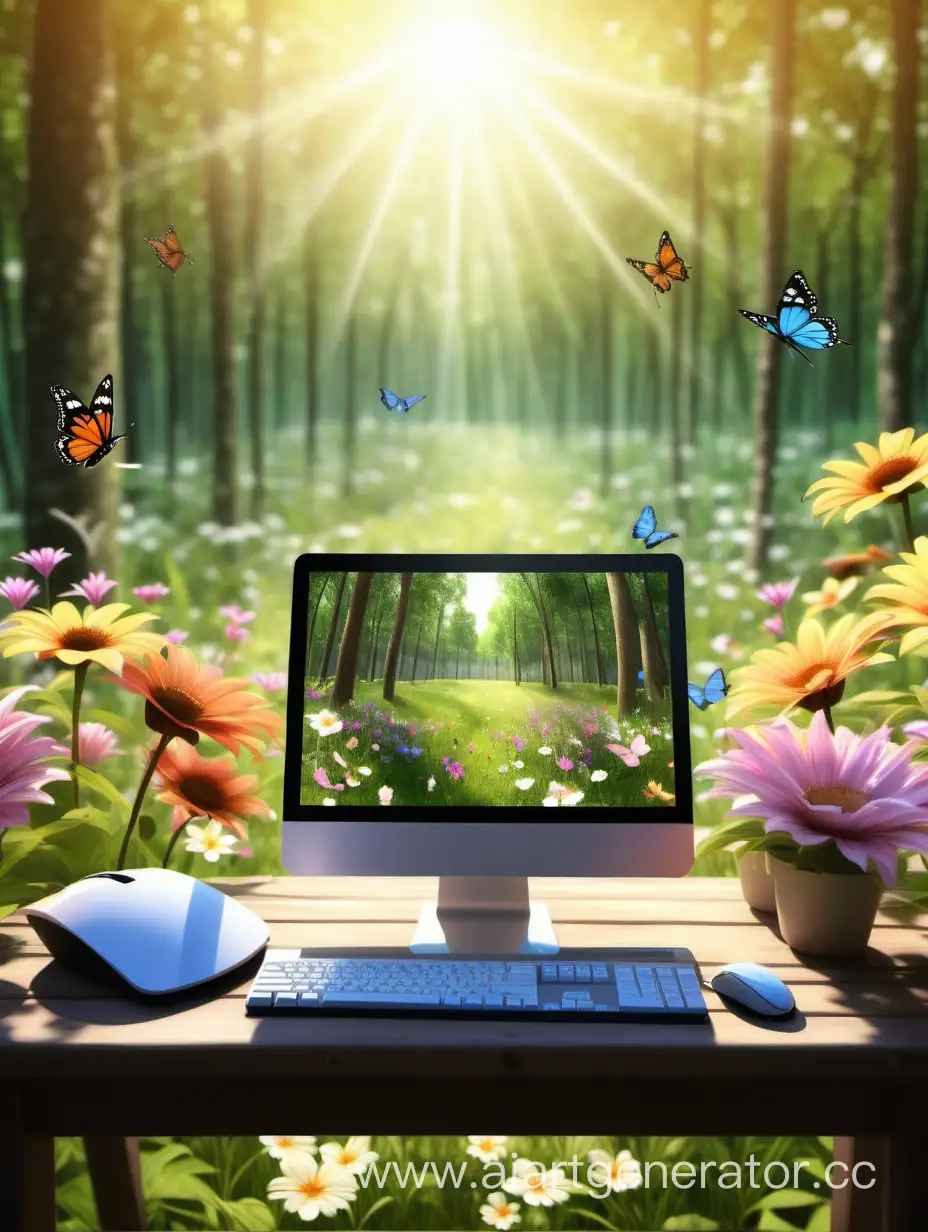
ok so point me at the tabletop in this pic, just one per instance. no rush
(854, 1059)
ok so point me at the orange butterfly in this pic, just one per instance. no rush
(666, 267)
(86, 433)
(168, 251)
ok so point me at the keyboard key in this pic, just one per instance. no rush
(286, 1000)
(413, 1000)
(514, 1003)
(309, 999)
(549, 973)
(582, 974)
(493, 1001)
(565, 973)
(260, 998)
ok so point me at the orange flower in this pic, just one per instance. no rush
(187, 700)
(201, 787)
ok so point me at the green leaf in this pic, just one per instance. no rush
(596, 1218)
(689, 1223)
(248, 1215)
(86, 815)
(101, 786)
(372, 1210)
(729, 832)
(118, 722)
(770, 1221)
(784, 1199)
(8, 909)
(179, 590)
(876, 697)
(821, 1219)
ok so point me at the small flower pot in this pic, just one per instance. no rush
(829, 915)
(756, 882)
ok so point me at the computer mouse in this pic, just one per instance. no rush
(755, 988)
(158, 930)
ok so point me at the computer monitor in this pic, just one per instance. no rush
(487, 719)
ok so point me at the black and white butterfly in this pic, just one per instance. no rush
(796, 324)
(86, 432)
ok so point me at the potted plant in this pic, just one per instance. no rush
(750, 843)
(835, 810)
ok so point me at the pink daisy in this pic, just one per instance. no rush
(860, 792)
(18, 592)
(97, 743)
(43, 560)
(236, 615)
(176, 636)
(94, 588)
(271, 682)
(22, 770)
(235, 633)
(774, 625)
(778, 594)
(151, 592)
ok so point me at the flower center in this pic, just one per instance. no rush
(82, 638)
(178, 704)
(801, 678)
(204, 793)
(285, 1143)
(890, 471)
(312, 1187)
(847, 799)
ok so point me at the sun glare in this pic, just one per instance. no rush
(458, 61)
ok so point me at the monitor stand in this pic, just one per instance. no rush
(484, 915)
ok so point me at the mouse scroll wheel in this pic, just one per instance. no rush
(123, 877)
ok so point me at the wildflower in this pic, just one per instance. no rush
(430, 784)
(455, 769)
(321, 776)
(621, 1171)
(778, 594)
(18, 592)
(97, 743)
(187, 700)
(524, 784)
(519, 744)
(855, 564)
(544, 751)
(897, 466)
(831, 594)
(235, 615)
(176, 636)
(236, 634)
(565, 763)
(860, 792)
(352, 780)
(22, 756)
(96, 635)
(207, 787)
(499, 1212)
(279, 1147)
(94, 588)
(352, 743)
(365, 770)
(470, 748)
(210, 841)
(314, 694)
(328, 801)
(326, 723)
(42, 560)
(151, 592)
(270, 682)
(356, 1155)
(774, 624)
(810, 673)
(517, 765)
(907, 596)
(488, 1148)
(385, 795)
(560, 795)
(340, 760)
(598, 776)
(504, 769)
(537, 1185)
(309, 1189)
(721, 643)
(654, 791)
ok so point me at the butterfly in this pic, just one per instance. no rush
(646, 528)
(394, 403)
(86, 434)
(168, 251)
(654, 791)
(631, 756)
(666, 267)
(796, 324)
(714, 690)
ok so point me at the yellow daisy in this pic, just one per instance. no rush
(896, 467)
(907, 596)
(97, 635)
(812, 672)
(832, 593)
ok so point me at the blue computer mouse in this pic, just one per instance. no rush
(755, 988)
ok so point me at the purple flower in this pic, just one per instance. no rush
(356, 726)
(314, 694)
(778, 594)
(22, 772)
(519, 743)
(446, 761)
(18, 591)
(565, 763)
(94, 588)
(860, 792)
(176, 636)
(151, 592)
(236, 615)
(97, 744)
(235, 633)
(270, 682)
(454, 768)
(378, 734)
(43, 560)
(415, 751)
(917, 731)
(774, 625)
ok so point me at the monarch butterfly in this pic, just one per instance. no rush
(86, 434)
(666, 267)
(168, 251)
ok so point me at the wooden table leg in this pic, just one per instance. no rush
(856, 1209)
(906, 1198)
(39, 1171)
(12, 1158)
(116, 1179)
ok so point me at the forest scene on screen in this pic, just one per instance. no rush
(490, 689)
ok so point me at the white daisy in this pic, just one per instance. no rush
(545, 751)
(621, 1172)
(279, 1146)
(329, 801)
(537, 1185)
(326, 723)
(524, 784)
(598, 776)
(503, 769)
(309, 1189)
(365, 770)
(210, 841)
(517, 765)
(499, 1212)
(488, 1148)
(431, 782)
(385, 795)
(356, 1155)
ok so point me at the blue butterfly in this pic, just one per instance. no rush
(796, 324)
(394, 403)
(646, 528)
(715, 689)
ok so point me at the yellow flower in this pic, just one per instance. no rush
(811, 673)
(832, 593)
(96, 635)
(897, 466)
(907, 597)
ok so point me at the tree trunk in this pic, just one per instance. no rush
(255, 294)
(516, 674)
(545, 628)
(702, 31)
(457, 662)
(599, 652)
(896, 336)
(375, 644)
(172, 369)
(624, 620)
(310, 632)
(396, 639)
(71, 293)
(333, 629)
(605, 378)
(311, 277)
(584, 671)
(776, 197)
(347, 668)
(125, 41)
(222, 282)
(349, 408)
(415, 657)
(441, 617)
(652, 661)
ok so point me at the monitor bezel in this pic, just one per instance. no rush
(294, 810)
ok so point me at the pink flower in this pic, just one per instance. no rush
(774, 625)
(97, 743)
(519, 744)
(176, 636)
(917, 731)
(43, 560)
(94, 588)
(321, 776)
(454, 768)
(235, 633)
(566, 764)
(778, 594)
(235, 614)
(151, 592)
(18, 591)
(22, 773)
(270, 682)
(352, 743)
(470, 748)
(860, 792)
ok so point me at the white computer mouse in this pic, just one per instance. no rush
(161, 931)
(755, 988)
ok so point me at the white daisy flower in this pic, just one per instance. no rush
(518, 765)
(356, 1155)
(211, 841)
(365, 770)
(545, 751)
(499, 1212)
(503, 769)
(329, 801)
(537, 1185)
(621, 1172)
(524, 784)
(326, 723)
(309, 1189)
(279, 1146)
(431, 783)
(598, 776)
(385, 795)
(488, 1148)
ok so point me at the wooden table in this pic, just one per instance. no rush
(77, 1059)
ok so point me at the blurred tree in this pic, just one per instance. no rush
(333, 628)
(349, 405)
(624, 622)
(253, 246)
(71, 293)
(701, 32)
(313, 613)
(396, 638)
(536, 593)
(652, 661)
(347, 667)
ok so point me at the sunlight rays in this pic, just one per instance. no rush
(451, 293)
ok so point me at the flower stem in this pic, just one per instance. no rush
(153, 760)
(909, 535)
(828, 719)
(48, 593)
(80, 675)
(174, 837)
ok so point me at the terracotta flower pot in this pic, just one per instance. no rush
(756, 882)
(830, 915)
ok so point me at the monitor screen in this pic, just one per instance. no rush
(463, 688)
